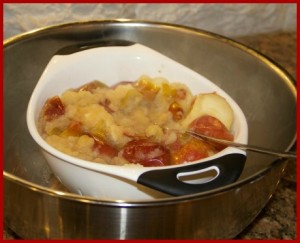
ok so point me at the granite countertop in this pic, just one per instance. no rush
(278, 219)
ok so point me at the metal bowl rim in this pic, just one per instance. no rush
(141, 203)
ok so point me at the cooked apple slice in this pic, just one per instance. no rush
(210, 104)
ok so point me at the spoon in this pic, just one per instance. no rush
(289, 154)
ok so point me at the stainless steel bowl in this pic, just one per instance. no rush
(37, 206)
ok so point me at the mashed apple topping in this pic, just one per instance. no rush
(141, 122)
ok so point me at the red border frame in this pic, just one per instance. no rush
(207, 1)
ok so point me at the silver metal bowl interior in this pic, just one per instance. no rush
(37, 206)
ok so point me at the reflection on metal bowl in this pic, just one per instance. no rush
(37, 206)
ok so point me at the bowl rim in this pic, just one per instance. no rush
(286, 77)
(144, 202)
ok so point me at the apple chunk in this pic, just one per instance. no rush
(210, 104)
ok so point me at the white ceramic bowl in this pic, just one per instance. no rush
(75, 66)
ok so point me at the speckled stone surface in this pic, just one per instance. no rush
(224, 19)
(278, 219)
